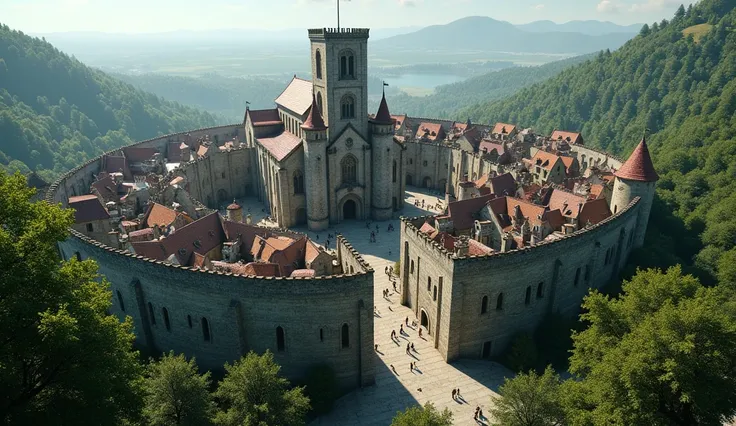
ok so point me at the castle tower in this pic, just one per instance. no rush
(340, 77)
(315, 162)
(636, 178)
(385, 163)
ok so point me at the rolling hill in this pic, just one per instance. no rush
(55, 112)
(486, 34)
(684, 91)
(589, 27)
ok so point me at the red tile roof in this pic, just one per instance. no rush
(247, 233)
(138, 155)
(568, 162)
(261, 269)
(431, 131)
(303, 273)
(571, 137)
(281, 145)
(264, 117)
(476, 248)
(463, 213)
(311, 251)
(503, 128)
(200, 236)
(87, 208)
(107, 188)
(504, 184)
(399, 120)
(639, 166)
(427, 228)
(569, 204)
(160, 215)
(544, 160)
(297, 96)
(594, 211)
(314, 121)
(490, 146)
(383, 116)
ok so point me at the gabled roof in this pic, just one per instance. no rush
(138, 155)
(503, 128)
(571, 137)
(116, 163)
(544, 160)
(399, 120)
(568, 162)
(463, 212)
(261, 269)
(281, 145)
(297, 96)
(247, 233)
(264, 117)
(490, 146)
(594, 211)
(107, 188)
(504, 184)
(427, 228)
(314, 121)
(87, 208)
(639, 166)
(476, 248)
(158, 214)
(311, 251)
(200, 236)
(431, 131)
(568, 203)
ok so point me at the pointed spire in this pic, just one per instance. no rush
(639, 166)
(383, 116)
(314, 120)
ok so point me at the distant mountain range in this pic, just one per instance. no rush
(591, 27)
(482, 33)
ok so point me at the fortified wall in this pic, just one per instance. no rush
(218, 317)
(473, 305)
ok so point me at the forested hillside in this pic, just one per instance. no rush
(449, 98)
(55, 112)
(678, 81)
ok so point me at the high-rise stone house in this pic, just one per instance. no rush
(321, 158)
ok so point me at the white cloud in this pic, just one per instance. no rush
(609, 6)
(408, 2)
(653, 5)
(539, 7)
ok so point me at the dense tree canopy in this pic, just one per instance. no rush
(56, 113)
(63, 360)
(677, 79)
(427, 415)
(529, 399)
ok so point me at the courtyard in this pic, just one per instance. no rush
(398, 388)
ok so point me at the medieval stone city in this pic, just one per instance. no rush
(328, 233)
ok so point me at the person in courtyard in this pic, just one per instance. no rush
(453, 394)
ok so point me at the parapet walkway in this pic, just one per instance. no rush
(434, 379)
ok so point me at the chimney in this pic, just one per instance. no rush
(506, 242)
(461, 246)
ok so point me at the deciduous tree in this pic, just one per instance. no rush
(529, 400)
(423, 416)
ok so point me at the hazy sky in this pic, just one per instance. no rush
(168, 15)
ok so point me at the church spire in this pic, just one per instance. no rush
(383, 116)
(639, 166)
(314, 120)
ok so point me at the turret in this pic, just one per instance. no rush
(234, 212)
(315, 166)
(636, 178)
(386, 173)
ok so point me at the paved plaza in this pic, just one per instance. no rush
(434, 379)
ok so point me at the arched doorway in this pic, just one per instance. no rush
(349, 210)
(409, 180)
(301, 216)
(424, 320)
(427, 183)
(222, 196)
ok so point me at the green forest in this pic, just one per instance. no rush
(677, 81)
(56, 113)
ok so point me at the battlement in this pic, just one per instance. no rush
(336, 33)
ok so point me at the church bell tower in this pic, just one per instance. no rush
(340, 77)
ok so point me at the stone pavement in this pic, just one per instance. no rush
(434, 379)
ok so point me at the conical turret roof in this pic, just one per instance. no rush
(383, 116)
(314, 120)
(639, 166)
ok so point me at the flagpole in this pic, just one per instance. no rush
(338, 15)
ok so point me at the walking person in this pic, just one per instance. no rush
(406, 321)
(407, 349)
(412, 348)
(401, 329)
(453, 394)
(420, 331)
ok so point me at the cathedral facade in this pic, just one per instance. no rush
(319, 157)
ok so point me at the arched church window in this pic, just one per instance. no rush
(319, 102)
(347, 65)
(484, 305)
(394, 173)
(280, 341)
(298, 182)
(318, 64)
(349, 166)
(345, 336)
(347, 107)
(499, 302)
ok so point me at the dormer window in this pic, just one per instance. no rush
(347, 65)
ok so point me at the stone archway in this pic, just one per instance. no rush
(427, 182)
(424, 320)
(409, 180)
(349, 210)
(350, 207)
(301, 216)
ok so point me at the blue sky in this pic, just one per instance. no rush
(136, 16)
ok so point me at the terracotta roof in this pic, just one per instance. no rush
(596, 190)
(177, 180)
(431, 131)
(383, 116)
(202, 150)
(482, 181)
(261, 269)
(490, 146)
(264, 117)
(138, 155)
(87, 208)
(528, 210)
(297, 96)
(476, 248)
(504, 184)
(503, 128)
(427, 228)
(594, 211)
(107, 188)
(463, 212)
(281, 145)
(303, 273)
(399, 120)
(314, 121)
(159, 215)
(116, 163)
(569, 204)
(140, 234)
(234, 206)
(568, 162)
(459, 126)
(200, 236)
(544, 160)
(311, 251)
(571, 137)
(639, 166)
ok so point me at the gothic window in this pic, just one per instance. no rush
(120, 301)
(151, 314)
(394, 173)
(484, 305)
(166, 319)
(499, 302)
(318, 64)
(412, 267)
(429, 283)
(540, 290)
(528, 297)
(189, 320)
(349, 166)
(298, 182)
(345, 336)
(205, 329)
(319, 103)
(321, 335)
(280, 343)
(434, 295)
(347, 66)
(347, 107)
